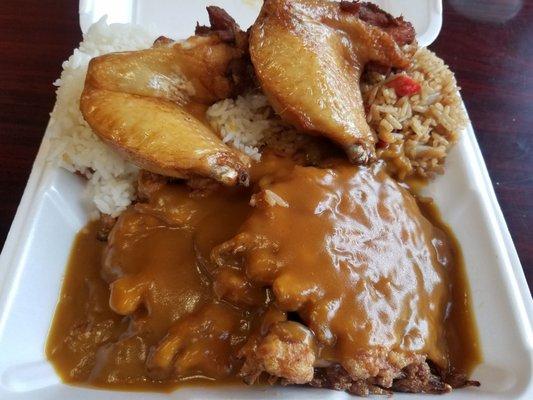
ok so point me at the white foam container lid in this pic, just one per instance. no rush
(52, 210)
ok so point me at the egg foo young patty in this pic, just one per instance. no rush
(332, 277)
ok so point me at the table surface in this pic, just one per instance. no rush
(488, 43)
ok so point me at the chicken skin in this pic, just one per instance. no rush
(172, 83)
(309, 56)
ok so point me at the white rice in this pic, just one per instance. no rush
(74, 146)
(245, 123)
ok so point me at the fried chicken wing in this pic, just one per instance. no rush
(287, 351)
(373, 289)
(309, 57)
(202, 343)
(148, 105)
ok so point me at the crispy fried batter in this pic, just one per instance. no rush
(200, 343)
(417, 378)
(287, 351)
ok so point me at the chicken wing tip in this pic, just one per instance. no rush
(360, 154)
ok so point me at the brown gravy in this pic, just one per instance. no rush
(141, 312)
(461, 329)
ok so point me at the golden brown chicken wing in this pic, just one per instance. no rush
(149, 106)
(309, 56)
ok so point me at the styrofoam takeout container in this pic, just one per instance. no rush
(52, 211)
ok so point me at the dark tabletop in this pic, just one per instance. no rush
(488, 43)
